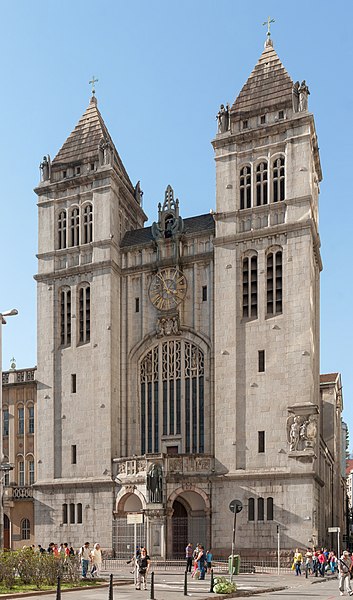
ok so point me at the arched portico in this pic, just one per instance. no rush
(188, 520)
(126, 533)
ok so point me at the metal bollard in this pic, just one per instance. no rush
(110, 596)
(58, 589)
(152, 587)
(212, 583)
(186, 583)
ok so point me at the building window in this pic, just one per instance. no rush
(260, 509)
(78, 170)
(79, 513)
(73, 454)
(74, 227)
(245, 187)
(73, 383)
(269, 510)
(250, 286)
(64, 514)
(274, 283)
(278, 179)
(72, 513)
(261, 359)
(21, 473)
(62, 229)
(25, 529)
(31, 419)
(31, 472)
(84, 314)
(245, 124)
(251, 509)
(137, 305)
(261, 184)
(21, 420)
(65, 317)
(5, 416)
(204, 293)
(281, 114)
(87, 224)
(263, 119)
(261, 442)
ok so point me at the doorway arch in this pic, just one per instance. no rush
(188, 521)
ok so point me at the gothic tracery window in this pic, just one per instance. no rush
(87, 233)
(84, 311)
(261, 184)
(65, 317)
(74, 227)
(250, 286)
(62, 229)
(278, 179)
(245, 187)
(172, 396)
(274, 283)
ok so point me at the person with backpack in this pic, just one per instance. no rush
(143, 564)
(344, 573)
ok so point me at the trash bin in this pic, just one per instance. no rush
(236, 564)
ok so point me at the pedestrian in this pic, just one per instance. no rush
(308, 561)
(209, 558)
(333, 562)
(201, 559)
(322, 562)
(143, 565)
(344, 565)
(85, 556)
(194, 560)
(188, 556)
(298, 559)
(96, 557)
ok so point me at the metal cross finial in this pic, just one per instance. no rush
(268, 23)
(92, 82)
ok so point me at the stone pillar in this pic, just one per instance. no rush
(155, 517)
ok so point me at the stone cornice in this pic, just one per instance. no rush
(77, 482)
(78, 270)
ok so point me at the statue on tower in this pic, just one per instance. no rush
(45, 167)
(303, 96)
(223, 117)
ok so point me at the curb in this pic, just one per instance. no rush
(8, 595)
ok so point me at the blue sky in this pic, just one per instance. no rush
(164, 67)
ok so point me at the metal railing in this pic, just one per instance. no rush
(247, 565)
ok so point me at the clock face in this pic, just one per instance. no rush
(168, 288)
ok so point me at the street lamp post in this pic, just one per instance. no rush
(6, 313)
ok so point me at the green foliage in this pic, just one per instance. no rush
(223, 586)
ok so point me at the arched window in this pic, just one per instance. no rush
(5, 417)
(65, 317)
(261, 184)
(87, 224)
(31, 419)
(25, 529)
(172, 393)
(30, 467)
(6, 473)
(245, 187)
(64, 514)
(21, 472)
(260, 509)
(269, 510)
(21, 420)
(79, 512)
(72, 513)
(84, 311)
(274, 283)
(250, 286)
(74, 227)
(251, 509)
(278, 179)
(62, 229)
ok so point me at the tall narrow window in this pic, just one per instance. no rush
(261, 184)
(278, 179)
(204, 293)
(65, 317)
(261, 359)
(73, 383)
(269, 510)
(21, 473)
(31, 419)
(5, 421)
(21, 420)
(72, 513)
(261, 442)
(84, 314)
(137, 305)
(251, 509)
(64, 514)
(25, 529)
(31, 472)
(62, 229)
(250, 286)
(75, 227)
(79, 512)
(245, 187)
(73, 454)
(274, 283)
(87, 224)
(260, 509)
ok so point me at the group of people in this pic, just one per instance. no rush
(198, 561)
(319, 562)
(141, 566)
(91, 560)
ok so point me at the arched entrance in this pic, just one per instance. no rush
(189, 521)
(125, 534)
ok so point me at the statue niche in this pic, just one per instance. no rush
(155, 484)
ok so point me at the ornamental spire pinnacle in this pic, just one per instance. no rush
(268, 41)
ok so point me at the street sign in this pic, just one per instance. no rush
(236, 506)
(134, 518)
(334, 529)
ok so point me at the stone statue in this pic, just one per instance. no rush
(303, 96)
(155, 484)
(45, 168)
(295, 96)
(104, 152)
(138, 193)
(293, 426)
(310, 432)
(223, 119)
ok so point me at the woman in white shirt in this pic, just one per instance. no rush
(96, 557)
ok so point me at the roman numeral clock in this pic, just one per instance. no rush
(168, 289)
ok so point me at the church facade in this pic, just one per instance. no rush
(178, 364)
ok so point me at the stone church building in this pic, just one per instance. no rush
(178, 364)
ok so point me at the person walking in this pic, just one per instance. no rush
(143, 566)
(344, 566)
(298, 559)
(96, 558)
(209, 559)
(322, 562)
(85, 557)
(188, 556)
(201, 559)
